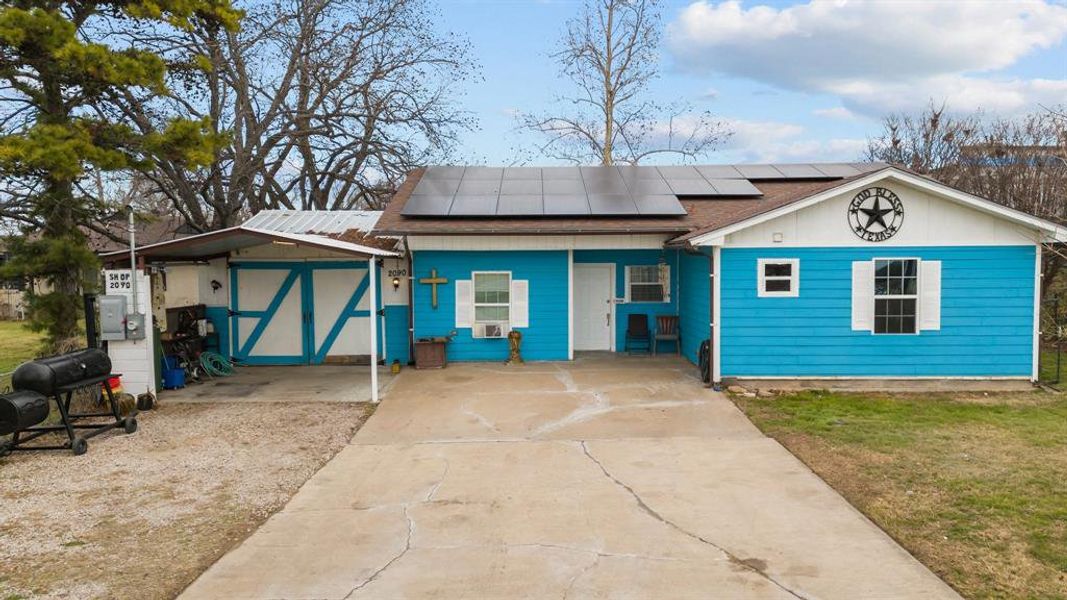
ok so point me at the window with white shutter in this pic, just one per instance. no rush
(896, 295)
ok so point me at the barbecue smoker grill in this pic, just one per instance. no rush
(59, 377)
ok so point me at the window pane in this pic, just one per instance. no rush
(894, 315)
(644, 274)
(777, 269)
(646, 293)
(895, 268)
(881, 286)
(490, 313)
(911, 268)
(895, 287)
(910, 286)
(881, 268)
(491, 288)
(777, 285)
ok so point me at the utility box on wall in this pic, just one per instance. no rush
(112, 317)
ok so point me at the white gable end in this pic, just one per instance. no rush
(929, 220)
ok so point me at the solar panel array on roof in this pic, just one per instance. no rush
(599, 191)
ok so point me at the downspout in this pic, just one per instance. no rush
(711, 320)
(411, 302)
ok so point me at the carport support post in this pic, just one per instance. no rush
(372, 267)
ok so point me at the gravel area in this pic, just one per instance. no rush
(140, 516)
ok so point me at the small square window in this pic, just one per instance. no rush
(778, 277)
(647, 283)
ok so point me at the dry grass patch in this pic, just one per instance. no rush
(142, 515)
(974, 485)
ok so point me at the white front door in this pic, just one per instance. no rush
(593, 293)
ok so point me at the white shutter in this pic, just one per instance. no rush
(464, 303)
(520, 303)
(863, 296)
(930, 294)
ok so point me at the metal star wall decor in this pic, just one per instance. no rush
(875, 214)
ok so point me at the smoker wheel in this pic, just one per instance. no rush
(130, 424)
(79, 446)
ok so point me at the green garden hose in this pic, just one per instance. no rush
(215, 364)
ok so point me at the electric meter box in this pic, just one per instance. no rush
(112, 317)
(135, 327)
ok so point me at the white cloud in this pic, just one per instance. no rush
(837, 112)
(876, 55)
(773, 141)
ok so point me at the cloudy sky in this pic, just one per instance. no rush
(795, 81)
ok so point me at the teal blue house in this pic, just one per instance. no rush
(854, 270)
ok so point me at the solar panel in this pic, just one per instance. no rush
(632, 173)
(611, 204)
(438, 187)
(484, 173)
(648, 186)
(427, 206)
(520, 186)
(521, 205)
(566, 204)
(479, 187)
(473, 206)
(563, 186)
(837, 170)
(692, 187)
(557, 173)
(443, 173)
(720, 172)
(800, 171)
(735, 187)
(605, 185)
(663, 205)
(680, 172)
(760, 172)
(522, 173)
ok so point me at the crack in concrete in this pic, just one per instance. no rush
(579, 574)
(433, 490)
(376, 574)
(484, 422)
(745, 564)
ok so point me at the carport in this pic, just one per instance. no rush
(287, 298)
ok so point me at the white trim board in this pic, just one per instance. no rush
(1049, 229)
(1034, 375)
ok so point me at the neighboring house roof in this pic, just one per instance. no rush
(224, 241)
(314, 221)
(150, 229)
(775, 184)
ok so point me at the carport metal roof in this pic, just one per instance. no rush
(224, 241)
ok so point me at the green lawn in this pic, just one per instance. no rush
(17, 345)
(974, 485)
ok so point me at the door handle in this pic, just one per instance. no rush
(607, 319)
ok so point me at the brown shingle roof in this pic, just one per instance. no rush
(703, 215)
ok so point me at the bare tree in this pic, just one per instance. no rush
(326, 104)
(610, 52)
(1020, 163)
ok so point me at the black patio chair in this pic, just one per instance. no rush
(637, 334)
(667, 331)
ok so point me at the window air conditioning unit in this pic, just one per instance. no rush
(490, 330)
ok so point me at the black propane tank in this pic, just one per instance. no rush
(46, 375)
(20, 410)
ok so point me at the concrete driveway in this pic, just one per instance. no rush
(602, 478)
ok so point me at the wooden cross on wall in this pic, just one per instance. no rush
(434, 281)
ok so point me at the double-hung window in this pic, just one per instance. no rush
(647, 283)
(778, 277)
(492, 297)
(896, 295)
